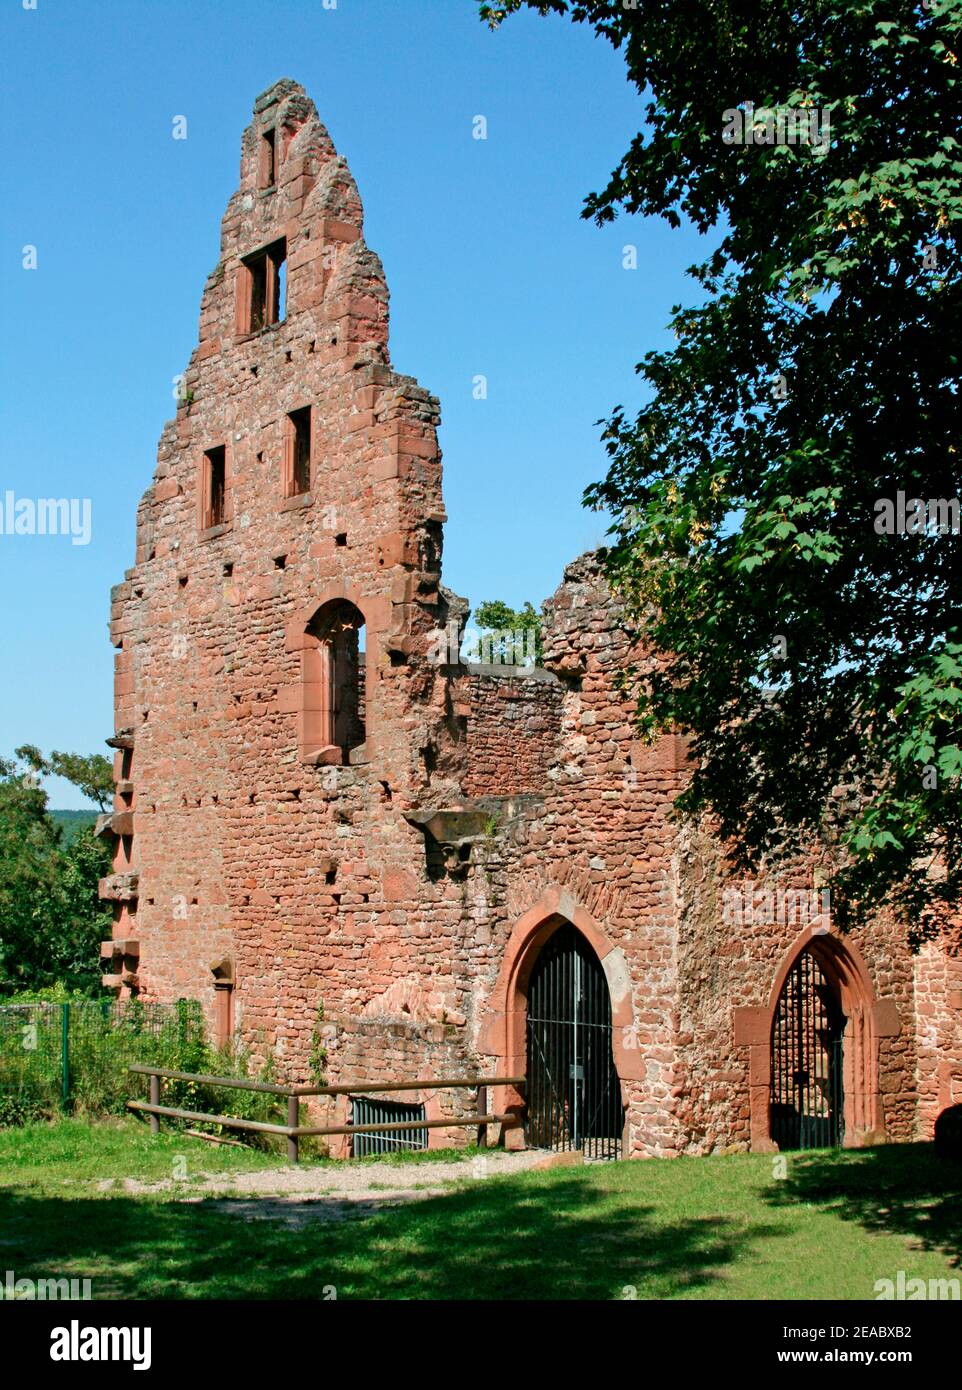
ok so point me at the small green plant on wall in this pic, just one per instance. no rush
(318, 1054)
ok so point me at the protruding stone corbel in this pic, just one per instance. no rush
(455, 831)
(116, 823)
(119, 960)
(119, 949)
(120, 888)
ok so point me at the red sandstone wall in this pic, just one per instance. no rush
(725, 968)
(310, 880)
(602, 833)
(938, 1027)
(512, 734)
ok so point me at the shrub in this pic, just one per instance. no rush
(18, 1110)
(105, 1039)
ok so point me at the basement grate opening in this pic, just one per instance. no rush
(365, 1111)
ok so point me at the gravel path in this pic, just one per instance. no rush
(297, 1195)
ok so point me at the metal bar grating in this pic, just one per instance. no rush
(807, 1102)
(367, 1111)
(574, 1094)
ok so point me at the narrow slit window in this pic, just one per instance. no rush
(281, 291)
(268, 152)
(215, 487)
(299, 474)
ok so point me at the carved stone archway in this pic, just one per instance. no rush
(868, 1020)
(503, 1028)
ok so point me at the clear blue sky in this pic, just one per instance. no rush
(491, 271)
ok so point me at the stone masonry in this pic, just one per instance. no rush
(316, 822)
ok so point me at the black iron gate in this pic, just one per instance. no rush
(573, 1092)
(807, 1104)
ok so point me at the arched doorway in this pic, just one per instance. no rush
(807, 1105)
(844, 981)
(573, 1090)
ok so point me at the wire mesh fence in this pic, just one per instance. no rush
(74, 1056)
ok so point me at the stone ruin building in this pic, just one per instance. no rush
(322, 828)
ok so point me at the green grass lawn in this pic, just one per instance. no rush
(715, 1228)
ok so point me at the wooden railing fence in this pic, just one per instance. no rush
(295, 1131)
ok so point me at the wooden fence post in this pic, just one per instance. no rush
(293, 1131)
(293, 1114)
(154, 1100)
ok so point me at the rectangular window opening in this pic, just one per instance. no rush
(267, 281)
(258, 274)
(299, 480)
(215, 486)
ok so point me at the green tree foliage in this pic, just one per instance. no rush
(79, 920)
(93, 774)
(494, 616)
(51, 922)
(28, 845)
(814, 661)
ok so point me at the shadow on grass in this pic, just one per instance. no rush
(901, 1189)
(500, 1239)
